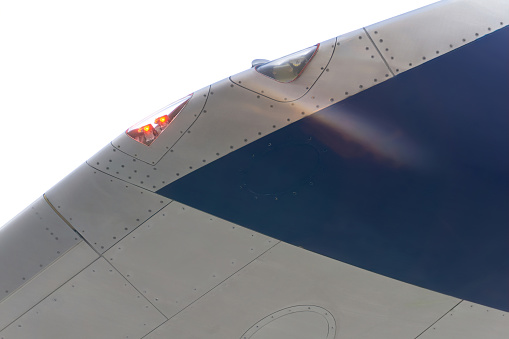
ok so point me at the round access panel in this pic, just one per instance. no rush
(297, 322)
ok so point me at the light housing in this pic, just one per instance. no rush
(148, 130)
(290, 67)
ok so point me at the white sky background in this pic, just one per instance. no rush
(74, 75)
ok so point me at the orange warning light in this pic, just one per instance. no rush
(149, 129)
(146, 128)
(161, 119)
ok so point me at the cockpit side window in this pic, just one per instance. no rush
(290, 67)
(149, 129)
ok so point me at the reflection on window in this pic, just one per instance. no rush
(147, 130)
(290, 67)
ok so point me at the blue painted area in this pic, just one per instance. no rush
(408, 179)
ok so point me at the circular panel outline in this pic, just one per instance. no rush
(294, 309)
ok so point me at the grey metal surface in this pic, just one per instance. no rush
(97, 303)
(47, 281)
(270, 88)
(363, 304)
(355, 66)
(409, 40)
(238, 116)
(470, 321)
(101, 208)
(181, 253)
(215, 279)
(172, 133)
(125, 167)
(296, 322)
(29, 243)
(235, 111)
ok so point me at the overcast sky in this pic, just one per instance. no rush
(74, 75)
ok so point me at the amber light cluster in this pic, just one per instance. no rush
(149, 129)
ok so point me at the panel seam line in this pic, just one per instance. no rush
(213, 288)
(46, 297)
(69, 224)
(379, 53)
(439, 319)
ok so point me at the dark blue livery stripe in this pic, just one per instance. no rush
(408, 179)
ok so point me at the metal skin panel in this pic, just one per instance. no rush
(171, 134)
(97, 303)
(102, 208)
(159, 263)
(240, 116)
(181, 253)
(407, 179)
(263, 85)
(363, 304)
(120, 165)
(237, 115)
(355, 66)
(470, 321)
(39, 229)
(410, 40)
(47, 281)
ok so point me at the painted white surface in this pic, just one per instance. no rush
(75, 75)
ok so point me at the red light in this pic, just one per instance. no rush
(146, 128)
(161, 120)
(149, 129)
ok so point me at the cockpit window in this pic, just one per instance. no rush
(290, 67)
(149, 129)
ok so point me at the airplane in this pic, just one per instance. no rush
(354, 189)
